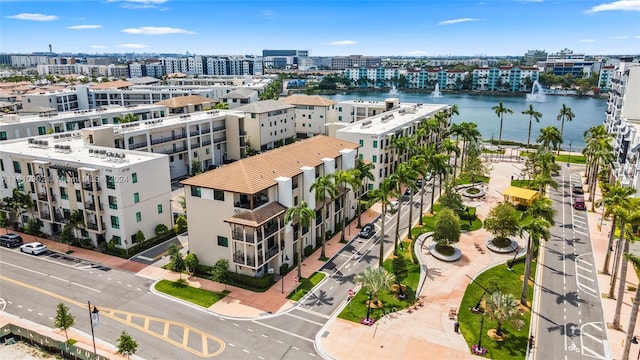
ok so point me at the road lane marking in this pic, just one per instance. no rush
(283, 331)
(584, 269)
(584, 277)
(307, 320)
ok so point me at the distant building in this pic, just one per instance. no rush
(280, 59)
(505, 78)
(269, 123)
(344, 62)
(239, 97)
(605, 76)
(531, 57)
(312, 113)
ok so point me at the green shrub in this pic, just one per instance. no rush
(250, 282)
(308, 250)
(284, 269)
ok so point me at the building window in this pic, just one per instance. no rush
(1, 165)
(374, 159)
(360, 156)
(196, 191)
(64, 195)
(370, 187)
(361, 142)
(138, 216)
(136, 198)
(171, 158)
(111, 183)
(218, 195)
(159, 208)
(340, 109)
(223, 241)
(41, 130)
(115, 222)
(116, 240)
(17, 168)
(134, 177)
(78, 196)
(340, 118)
(375, 144)
(113, 202)
(105, 121)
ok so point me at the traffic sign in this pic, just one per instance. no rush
(296, 279)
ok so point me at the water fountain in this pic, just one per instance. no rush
(393, 91)
(537, 93)
(436, 92)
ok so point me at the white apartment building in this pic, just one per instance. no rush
(15, 126)
(118, 192)
(68, 99)
(375, 133)
(623, 120)
(237, 212)
(354, 110)
(268, 124)
(312, 113)
(239, 97)
(29, 60)
(210, 138)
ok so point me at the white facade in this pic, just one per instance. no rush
(268, 123)
(312, 114)
(237, 212)
(118, 192)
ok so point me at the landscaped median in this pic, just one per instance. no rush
(305, 286)
(181, 290)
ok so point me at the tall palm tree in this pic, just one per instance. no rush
(344, 177)
(470, 134)
(501, 110)
(406, 175)
(417, 166)
(624, 214)
(364, 175)
(303, 213)
(419, 163)
(623, 271)
(324, 188)
(541, 165)
(537, 228)
(549, 135)
(602, 154)
(591, 137)
(382, 194)
(374, 280)
(614, 197)
(501, 307)
(565, 114)
(635, 260)
(532, 115)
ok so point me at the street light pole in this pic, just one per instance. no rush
(569, 156)
(93, 317)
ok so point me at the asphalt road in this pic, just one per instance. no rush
(570, 320)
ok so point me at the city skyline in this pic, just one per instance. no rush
(374, 28)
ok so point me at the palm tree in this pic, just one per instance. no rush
(602, 154)
(624, 214)
(635, 260)
(623, 270)
(438, 167)
(500, 110)
(502, 307)
(324, 188)
(304, 214)
(565, 114)
(382, 194)
(532, 115)
(375, 279)
(417, 166)
(614, 197)
(364, 175)
(541, 165)
(344, 177)
(470, 134)
(406, 175)
(549, 135)
(537, 228)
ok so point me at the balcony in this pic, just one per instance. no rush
(45, 216)
(206, 142)
(89, 186)
(195, 146)
(194, 133)
(205, 131)
(168, 138)
(138, 145)
(89, 205)
(219, 140)
(242, 133)
(58, 218)
(272, 252)
(219, 128)
(42, 196)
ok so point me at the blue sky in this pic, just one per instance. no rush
(325, 27)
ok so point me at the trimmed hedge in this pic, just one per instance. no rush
(249, 282)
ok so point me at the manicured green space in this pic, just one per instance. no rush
(305, 286)
(574, 159)
(357, 307)
(521, 183)
(465, 179)
(185, 292)
(497, 278)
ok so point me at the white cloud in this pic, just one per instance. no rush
(33, 17)
(98, 47)
(618, 37)
(156, 30)
(587, 40)
(133, 46)
(623, 5)
(456, 21)
(141, 1)
(84, 27)
(416, 52)
(268, 14)
(342, 43)
(140, 4)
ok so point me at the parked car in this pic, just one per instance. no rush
(419, 183)
(579, 204)
(367, 231)
(393, 206)
(577, 189)
(33, 248)
(10, 240)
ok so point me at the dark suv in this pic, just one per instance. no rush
(367, 231)
(577, 189)
(10, 240)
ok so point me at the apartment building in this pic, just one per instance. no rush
(355, 110)
(239, 97)
(312, 113)
(208, 138)
(188, 104)
(505, 78)
(237, 212)
(15, 126)
(117, 192)
(623, 120)
(268, 124)
(374, 134)
(68, 99)
(605, 76)
(372, 76)
(344, 62)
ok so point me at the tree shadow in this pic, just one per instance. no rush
(318, 298)
(432, 273)
(555, 271)
(346, 279)
(571, 297)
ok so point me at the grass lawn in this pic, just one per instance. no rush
(574, 159)
(521, 183)
(357, 307)
(305, 286)
(460, 180)
(515, 346)
(197, 296)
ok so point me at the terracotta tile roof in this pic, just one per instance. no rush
(181, 101)
(177, 75)
(260, 107)
(257, 173)
(117, 84)
(313, 100)
(258, 217)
